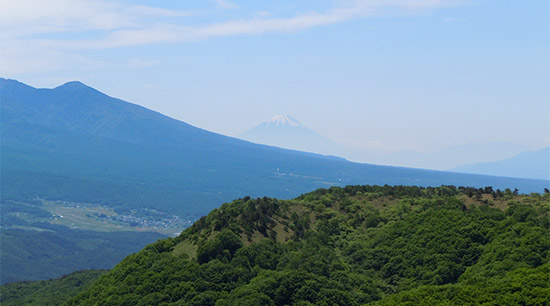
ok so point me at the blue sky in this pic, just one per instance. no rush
(385, 76)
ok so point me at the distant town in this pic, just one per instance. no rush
(101, 217)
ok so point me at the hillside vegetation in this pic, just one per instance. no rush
(357, 245)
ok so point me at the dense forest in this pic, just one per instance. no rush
(356, 245)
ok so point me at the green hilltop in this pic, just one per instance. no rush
(356, 245)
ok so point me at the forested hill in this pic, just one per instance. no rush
(357, 245)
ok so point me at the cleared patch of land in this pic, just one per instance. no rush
(102, 218)
(89, 216)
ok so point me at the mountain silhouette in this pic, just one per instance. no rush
(286, 132)
(76, 143)
(529, 164)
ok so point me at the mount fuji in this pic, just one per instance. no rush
(286, 132)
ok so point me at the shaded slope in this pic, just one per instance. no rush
(57, 250)
(49, 292)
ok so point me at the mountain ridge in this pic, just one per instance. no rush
(284, 131)
(116, 146)
(529, 164)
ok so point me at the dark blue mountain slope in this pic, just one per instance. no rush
(76, 143)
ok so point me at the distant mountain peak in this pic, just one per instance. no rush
(528, 164)
(9, 83)
(286, 132)
(281, 121)
(77, 86)
(74, 84)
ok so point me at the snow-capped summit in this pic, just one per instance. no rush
(286, 132)
(281, 121)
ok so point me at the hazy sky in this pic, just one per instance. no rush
(390, 75)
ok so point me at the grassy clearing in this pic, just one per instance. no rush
(186, 247)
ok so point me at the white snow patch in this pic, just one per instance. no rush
(282, 120)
